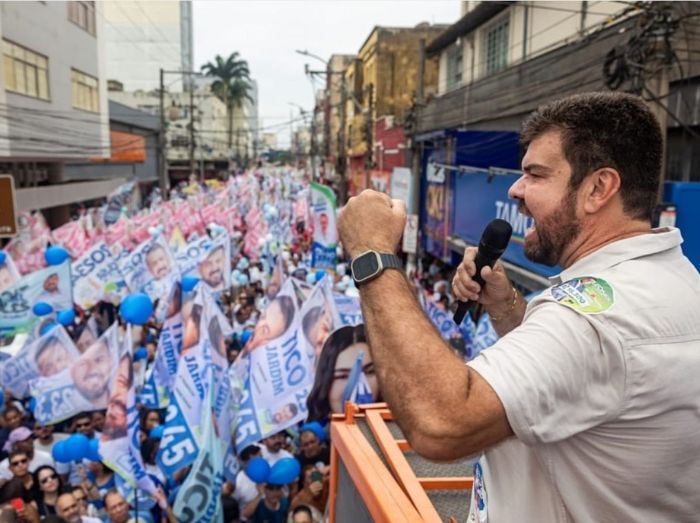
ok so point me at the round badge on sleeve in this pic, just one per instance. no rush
(587, 294)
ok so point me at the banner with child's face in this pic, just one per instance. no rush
(44, 357)
(319, 317)
(84, 385)
(51, 285)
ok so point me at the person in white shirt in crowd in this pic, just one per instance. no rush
(45, 437)
(272, 449)
(21, 439)
(244, 490)
(74, 473)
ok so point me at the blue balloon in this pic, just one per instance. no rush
(3, 256)
(235, 274)
(189, 283)
(245, 336)
(320, 274)
(60, 451)
(136, 308)
(32, 403)
(243, 264)
(284, 471)
(93, 453)
(140, 354)
(310, 279)
(78, 446)
(243, 279)
(55, 255)
(66, 317)
(258, 470)
(42, 308)
(2, 400)
(157, 432)
(47, 327)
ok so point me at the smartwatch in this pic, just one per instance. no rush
(371, 264)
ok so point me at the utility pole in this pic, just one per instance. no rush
(312, 146)
(369, 129)
(192, 160)
(162, 139)
(342, 161)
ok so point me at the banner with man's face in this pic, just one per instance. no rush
(51, 285)
(151, 268)
(325, 239)
(96, 277)
(119, 441)
(209, 259)
(46, 356)
(83, 386)
(275, 370)
(319, 317)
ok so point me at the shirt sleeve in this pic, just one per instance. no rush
(559, 373)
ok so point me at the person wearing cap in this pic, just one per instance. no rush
(244, 490)
(21, 439)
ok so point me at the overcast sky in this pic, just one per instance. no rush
(266, 33)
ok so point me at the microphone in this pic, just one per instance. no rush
(493, 243)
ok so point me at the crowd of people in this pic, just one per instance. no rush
(37, 486)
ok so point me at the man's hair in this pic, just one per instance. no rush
(12, 408)
(45, 344)
(83, 415)
(249, 452)
(301, 508)
(17, 452)
(110, 493)
(606, 129)
(310, 320)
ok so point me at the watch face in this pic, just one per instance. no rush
(365, 266)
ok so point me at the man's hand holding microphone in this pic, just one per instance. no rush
(506, 307)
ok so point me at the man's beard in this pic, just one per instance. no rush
(553, 233)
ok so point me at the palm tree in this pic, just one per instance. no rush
(232, 85)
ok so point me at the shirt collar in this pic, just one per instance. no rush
(658, 240)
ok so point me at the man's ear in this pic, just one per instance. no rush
(600, 187)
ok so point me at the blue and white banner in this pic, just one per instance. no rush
(325, 240)
(277, 372)
(51, 285)
(151, 268)
(119, 440)
(96, 278)
(358, 389)
(83, 386)
(199, 498)
(349, 309)
(441, 319)
(208, 259)
(319, 317)
(46, 356)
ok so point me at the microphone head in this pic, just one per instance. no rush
(495, 237)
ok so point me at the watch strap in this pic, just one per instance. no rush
(390, 261)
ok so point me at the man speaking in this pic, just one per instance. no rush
(588, 407)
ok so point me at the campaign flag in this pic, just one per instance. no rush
(357, 388)
(199, 498)
(167, 357)
(27, 248)
(325, 240)
(119, 440)
(151, 268)
(319, 317)
(349, 309)
(8, 272)
(441, 319)
(96, 277)
(209, 259)
(84, 385)
(255, 231)
(276, 370)
(51, 285)
(46, 356)
(72, 237)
